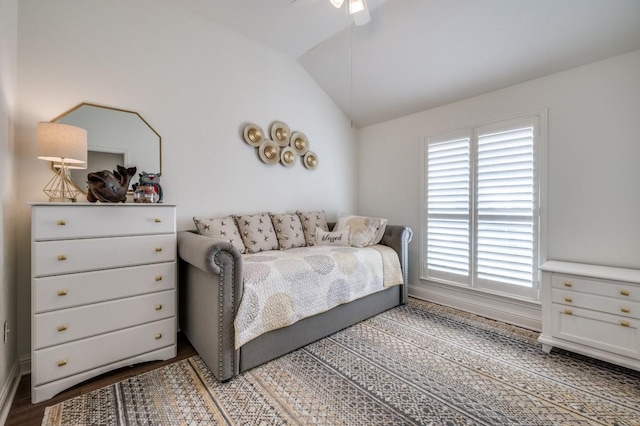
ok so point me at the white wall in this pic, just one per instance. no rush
(8, 64)
(197, 84)
(594, 150)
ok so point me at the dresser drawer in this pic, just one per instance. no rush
(88, 221)
(68, 256)
(71, 358)
(71, 324)
(607, 332)
(65, 291)
(603, 288)
(610, 305)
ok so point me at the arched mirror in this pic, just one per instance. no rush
(114, 136)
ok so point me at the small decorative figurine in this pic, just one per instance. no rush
(148, 189)
(109, 187)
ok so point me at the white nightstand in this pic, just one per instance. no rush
(592, 310)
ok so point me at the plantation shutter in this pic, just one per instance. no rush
(448, 191)
(505, 205)
(481, 207)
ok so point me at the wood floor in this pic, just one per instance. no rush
(24, 413)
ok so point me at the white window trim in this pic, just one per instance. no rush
(541, 167)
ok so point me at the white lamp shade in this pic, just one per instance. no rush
(337, 3)
(61, 142)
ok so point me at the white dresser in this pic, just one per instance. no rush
(592, 310)
(103, 290)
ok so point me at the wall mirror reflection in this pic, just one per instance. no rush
(114, 136)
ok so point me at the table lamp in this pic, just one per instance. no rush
(67, 146)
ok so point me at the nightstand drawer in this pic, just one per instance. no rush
(68, 256)
(65, 222)
(597, 330)
(617, 289)
(82, 355)
(67, 325)
(610, 305)
(65, 291)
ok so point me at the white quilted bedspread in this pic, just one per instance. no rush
(282, 287)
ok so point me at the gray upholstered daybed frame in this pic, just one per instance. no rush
(211, 290)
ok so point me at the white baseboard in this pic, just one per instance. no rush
(512, 311)
(9, 392)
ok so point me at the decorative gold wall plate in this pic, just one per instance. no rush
(280, 133)
(253, 134)
(269, 152)
(288, 156)
(299, 143)
(310, 160)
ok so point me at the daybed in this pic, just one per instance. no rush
(211, 290)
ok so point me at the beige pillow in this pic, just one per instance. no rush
(288, 230)
(335, 238)
(221, 229)
(363, 231)
(310, 221)
(257, 232)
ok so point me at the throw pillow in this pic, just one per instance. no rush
(335, 238)
(363, 231)
(257, 232)
(288, 230)
(310, 221)
(221, 229)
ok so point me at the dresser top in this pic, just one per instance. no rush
(594, 271)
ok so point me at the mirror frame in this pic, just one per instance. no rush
(54, 165)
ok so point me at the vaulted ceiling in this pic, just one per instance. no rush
(418, 54)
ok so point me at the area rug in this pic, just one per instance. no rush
(420, 364)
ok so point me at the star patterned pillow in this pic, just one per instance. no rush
(288, 230)
(221, 229)
(310, 221)
(257, 232)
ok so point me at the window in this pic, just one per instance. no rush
(481, 194)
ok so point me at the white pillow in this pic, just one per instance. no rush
(363, 231)
(335, 238)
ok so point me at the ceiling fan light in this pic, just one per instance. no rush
(337, 3)
(361, 18)
(356, 6)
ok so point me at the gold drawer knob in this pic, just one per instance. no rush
(158, 249)
(62, 327)
(624, 292)
(159, 278)
(158, 307)
(62, 257)
(158, 336)
(568, 312)
(158, 220)
(62, 363)
(568, 299)
(62, 223)
(624, 323)
(625, 310)
(568, 284)
(62, 292)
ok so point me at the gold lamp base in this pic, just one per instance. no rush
(60, 188)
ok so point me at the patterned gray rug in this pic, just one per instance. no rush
(416, 364)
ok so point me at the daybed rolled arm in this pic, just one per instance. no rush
(398, 238)
(210, 292)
